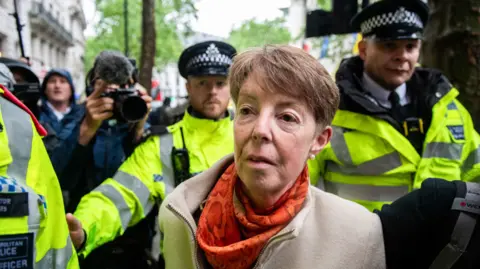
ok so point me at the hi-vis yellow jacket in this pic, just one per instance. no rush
(33, 230)
(147, 176)
(369, 161)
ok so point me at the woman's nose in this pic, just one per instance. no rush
(262, 128)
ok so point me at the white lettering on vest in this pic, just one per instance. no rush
(5, 201)
(17, 243)
(14, 264)
(8, 251)
(3, 208)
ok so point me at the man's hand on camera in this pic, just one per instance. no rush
(140, 125)
(98, 109)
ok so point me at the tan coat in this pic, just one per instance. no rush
(328, 233)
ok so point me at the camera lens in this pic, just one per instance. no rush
(133, 109)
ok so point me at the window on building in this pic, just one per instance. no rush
(2, 39)
(59, 58)
(51, 55)
(18, 51)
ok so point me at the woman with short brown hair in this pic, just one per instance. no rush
(256, 209)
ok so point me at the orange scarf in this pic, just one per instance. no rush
(231, 238)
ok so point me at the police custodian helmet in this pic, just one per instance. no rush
(209, 58)
(392, 20)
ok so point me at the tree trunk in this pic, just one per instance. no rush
(147, 57)
(452, 45)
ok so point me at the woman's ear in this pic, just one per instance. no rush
(321, 140)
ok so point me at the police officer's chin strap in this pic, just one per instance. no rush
(467, 201)
(199, 115)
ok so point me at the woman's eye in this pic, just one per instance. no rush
(244, 111)
(288, 118)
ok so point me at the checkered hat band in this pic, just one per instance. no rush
(208, 60)
(391, 18)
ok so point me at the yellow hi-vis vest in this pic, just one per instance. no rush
(370, 162)
(146, 177)
(33, 229)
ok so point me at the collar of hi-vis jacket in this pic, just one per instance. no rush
(204, 126)
(9, 96)
(429, 85)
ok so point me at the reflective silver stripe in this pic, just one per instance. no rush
(463, 230)
(20, 135)
(472, 159)
(450, 151)
(320, 183)
(339, 145)
(366, 192)
(373, 167)
(166, 146)
(56, 258)
(34, 215)
(117, 199)
(136, 186)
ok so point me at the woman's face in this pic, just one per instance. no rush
(274, 136)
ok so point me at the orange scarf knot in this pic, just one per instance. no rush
(233, 238)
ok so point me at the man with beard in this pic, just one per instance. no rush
(168, 157)
(397, 124)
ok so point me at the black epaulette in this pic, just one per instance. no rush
(154, 130)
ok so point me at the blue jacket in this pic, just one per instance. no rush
(109, 150)
(62, 135)
(106, 149)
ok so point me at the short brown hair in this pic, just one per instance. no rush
(290, 71)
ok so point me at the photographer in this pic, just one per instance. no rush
(104, 138)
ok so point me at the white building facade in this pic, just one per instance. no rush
(52, 35)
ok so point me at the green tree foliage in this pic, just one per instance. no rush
(254, 33)
(325, 4)
(171, 16)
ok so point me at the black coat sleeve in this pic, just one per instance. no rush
(417, 227)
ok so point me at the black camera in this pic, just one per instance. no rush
(114, 68)
(128, 105)
(28, 94)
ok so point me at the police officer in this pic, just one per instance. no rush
(33, 232)
(167, 158)
(397, 124)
